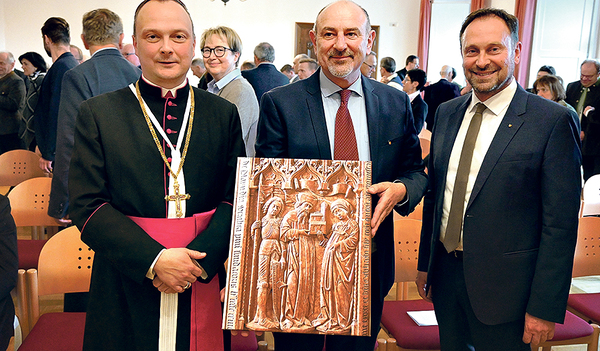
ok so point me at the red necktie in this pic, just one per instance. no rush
(344, 144)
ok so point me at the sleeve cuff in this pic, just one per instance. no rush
(150, 274)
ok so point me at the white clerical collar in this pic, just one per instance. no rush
(164, 91)
(498, 102)
(329, 88)
(412, 96)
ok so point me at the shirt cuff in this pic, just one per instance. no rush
(150, 274)
(403, 202)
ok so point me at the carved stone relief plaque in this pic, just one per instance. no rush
(299, 259)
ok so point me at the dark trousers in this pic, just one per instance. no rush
(460, 329)
(10, 142)
(591, 165)
(316, 342)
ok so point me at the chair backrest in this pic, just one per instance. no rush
(591, 189)
(29, 203)
(417, 213)
(407, 233)
(65, 264)
(425, 134)
(425, 145)
(19, 165)
(587, 251)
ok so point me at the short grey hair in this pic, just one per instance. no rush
(198, 62)
(594, 62)
(9, 56)
(264, 52)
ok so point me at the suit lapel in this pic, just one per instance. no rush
(372, 106)
(314, 103)
(444, 139)
(509, 126)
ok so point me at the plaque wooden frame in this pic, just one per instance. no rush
(300, 250)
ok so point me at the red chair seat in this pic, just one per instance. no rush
(66, 329)
(573, 328)
(29, 253)
(407, 333)
(587, 304)
(240, 343)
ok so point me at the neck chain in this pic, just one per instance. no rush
(177, 197)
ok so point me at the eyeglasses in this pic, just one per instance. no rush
(370, 66)
(218, 50)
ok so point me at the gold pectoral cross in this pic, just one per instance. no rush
(177, 197)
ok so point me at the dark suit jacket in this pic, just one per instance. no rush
(402, 73)
(437, 93)
(117, 171)
(520, 224)
(590, 124)
(12, 103)
(46, 112)
(264, 78)
(106, 71)
(419, 110)
(9, 263)
(292, 125)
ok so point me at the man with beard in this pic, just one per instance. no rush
(500, 218)
(336, 114)
(56, 37)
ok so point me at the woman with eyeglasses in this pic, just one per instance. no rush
(221, 49)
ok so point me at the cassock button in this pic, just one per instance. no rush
(171, 103)
(169, 117)
(169, 159)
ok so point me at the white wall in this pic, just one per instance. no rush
(255, 21)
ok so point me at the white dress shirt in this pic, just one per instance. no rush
(358, 113)
(492, 118)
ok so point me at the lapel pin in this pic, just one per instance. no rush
(510, 126)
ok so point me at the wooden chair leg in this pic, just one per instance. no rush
(34, 303)
(22, 308)
(391, 344)
(593, 346)
(382, 345)
(263, 346)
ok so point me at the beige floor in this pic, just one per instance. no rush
(54, 303)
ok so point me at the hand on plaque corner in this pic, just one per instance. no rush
(389, 195)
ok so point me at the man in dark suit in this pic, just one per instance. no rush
(12, 103)
(107, 70)
(265, 76)
(414, 82)
(131, 162)
(9, 264)
(412, 62)
(57, 38)
(500, 217)
(298, 121)
(437, 93)
(584, 96)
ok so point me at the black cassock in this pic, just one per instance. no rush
(117, 171)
